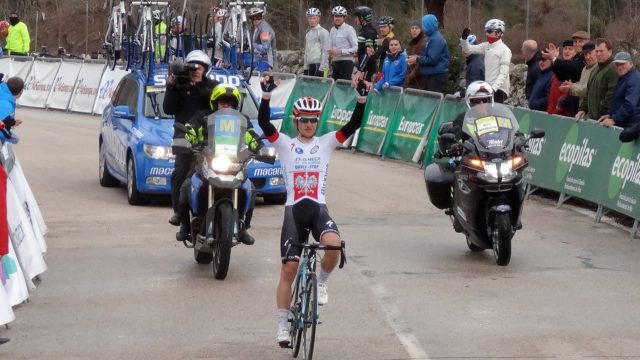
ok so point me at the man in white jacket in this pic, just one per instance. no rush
(316, 56)
(497, 57)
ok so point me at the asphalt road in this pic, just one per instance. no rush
(119, 287)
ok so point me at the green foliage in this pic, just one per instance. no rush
(456, 61)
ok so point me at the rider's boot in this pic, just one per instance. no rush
(244, 236)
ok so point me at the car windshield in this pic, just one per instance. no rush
(154, 97)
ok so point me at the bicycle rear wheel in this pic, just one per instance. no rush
(310, 317)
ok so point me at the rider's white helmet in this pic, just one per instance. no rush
(478, 92)
(494, 25)
(339, 11)
(313, 12)
(199, 57)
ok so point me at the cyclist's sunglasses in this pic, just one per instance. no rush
(304, 120)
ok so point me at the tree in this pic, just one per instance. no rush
(435, 7)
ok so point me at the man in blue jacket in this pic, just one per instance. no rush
(9, 92)
(434, 63)
(625, 104)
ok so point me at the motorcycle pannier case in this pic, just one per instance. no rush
(439, 179)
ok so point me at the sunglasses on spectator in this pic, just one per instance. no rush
(304, 120)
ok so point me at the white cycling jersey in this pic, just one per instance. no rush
(305, 165)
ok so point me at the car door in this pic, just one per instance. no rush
(122, 126)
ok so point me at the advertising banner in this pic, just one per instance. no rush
(16, 66)
(108, 84)
(450, 107)
(86, 90)
(338, 108)
(63, 84)
(28, 204)
(15, 283)
(410, 124)
(377, 119)
(39, 82)
(305, 86)
(280, 95)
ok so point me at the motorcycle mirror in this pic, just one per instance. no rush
(447, 138)
(468, 146)
(536, 133)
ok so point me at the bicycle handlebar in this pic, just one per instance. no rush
(318, 246)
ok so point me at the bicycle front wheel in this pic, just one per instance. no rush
(310, 317)
(296, 319)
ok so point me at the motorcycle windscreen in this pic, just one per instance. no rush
(226, 129)
(492, 127)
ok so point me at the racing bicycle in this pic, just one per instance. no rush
(144, 35)
(114, 36)
(239, 38)
(304, 297)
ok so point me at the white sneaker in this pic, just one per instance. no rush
(323, 296)
(283, 337)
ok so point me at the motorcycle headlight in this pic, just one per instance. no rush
(222, 164)
(493, 171)
(158, 152)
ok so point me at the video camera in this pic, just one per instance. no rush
(180, 71)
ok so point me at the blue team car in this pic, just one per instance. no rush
(135, 140)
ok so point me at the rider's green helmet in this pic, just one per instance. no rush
(227, 93)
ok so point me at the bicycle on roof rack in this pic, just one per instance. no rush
(114, 37)
(237, 38)
(144, 38)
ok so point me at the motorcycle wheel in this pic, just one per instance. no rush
(473, 247)
(502, 238)
(223, 240)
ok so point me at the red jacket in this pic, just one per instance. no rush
(557, 104)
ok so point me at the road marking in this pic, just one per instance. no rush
(392, 314)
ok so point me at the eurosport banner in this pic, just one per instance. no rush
(450, 107)
(108, 84)
(377, 118)
(410, 123)
(583, 159)
(63, 84)
(86, 90)
(338, 108)
(315, 87)
(16, 65)
(39, 82)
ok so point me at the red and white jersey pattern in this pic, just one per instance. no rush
(305, 165)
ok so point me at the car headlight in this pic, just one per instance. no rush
(158, 152)
(222, 164)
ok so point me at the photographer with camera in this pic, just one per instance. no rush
(188, 92)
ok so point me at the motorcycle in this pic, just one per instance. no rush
(481, 188)
(215, 188)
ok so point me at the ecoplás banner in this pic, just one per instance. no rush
(39, 82)
(63, 84)
(338, 108)
(377, 118)
(305, 86)
(410, 124)
(450, 107)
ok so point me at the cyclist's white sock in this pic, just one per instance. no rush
(323, 276)
(283, 318)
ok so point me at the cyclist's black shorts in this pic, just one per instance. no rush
(306, 214)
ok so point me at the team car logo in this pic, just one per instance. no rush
(305, 184)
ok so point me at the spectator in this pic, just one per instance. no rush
(176, 42)
(625, 104)
(475, 64)
(385, 27)
(160, 36)
(10, 91)
(560, 101)
(601, 83)
(18, 37)
(394, 68)
(366, 39)
(264, 41)
(4, 32)
(416, 47)
(579, 89)
(343, 44)
(434, 61)
(497, 57)
(218, 37)
(569, 69)
(316, 59)
(540, 91)
(531, 55)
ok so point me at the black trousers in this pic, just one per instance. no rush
(342, 69)
(314, 70)
(436, 83)
(182, 169)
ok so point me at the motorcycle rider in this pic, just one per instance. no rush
(184, 99)
(223, 96)
(478, 92)
(305, 161)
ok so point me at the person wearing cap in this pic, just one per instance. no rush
(560, 100)
(264, 41)
(18, 38)
(416, 45)
(601, 84)
(625, 104)
(540, 92)
(434, 60)
(531, 55)
(579, 89)
(572, 68)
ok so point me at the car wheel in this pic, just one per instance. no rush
(105, 177)
(134, 196)
(275, 199)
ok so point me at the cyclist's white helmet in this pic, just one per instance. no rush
(478, 92)
(199, 57)
(221, 12)
(307, 107)
(156, 14)
(495, 25)
(313, 12)
(256, 11)
(339, 11)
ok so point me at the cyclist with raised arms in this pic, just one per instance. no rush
(305, 162)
